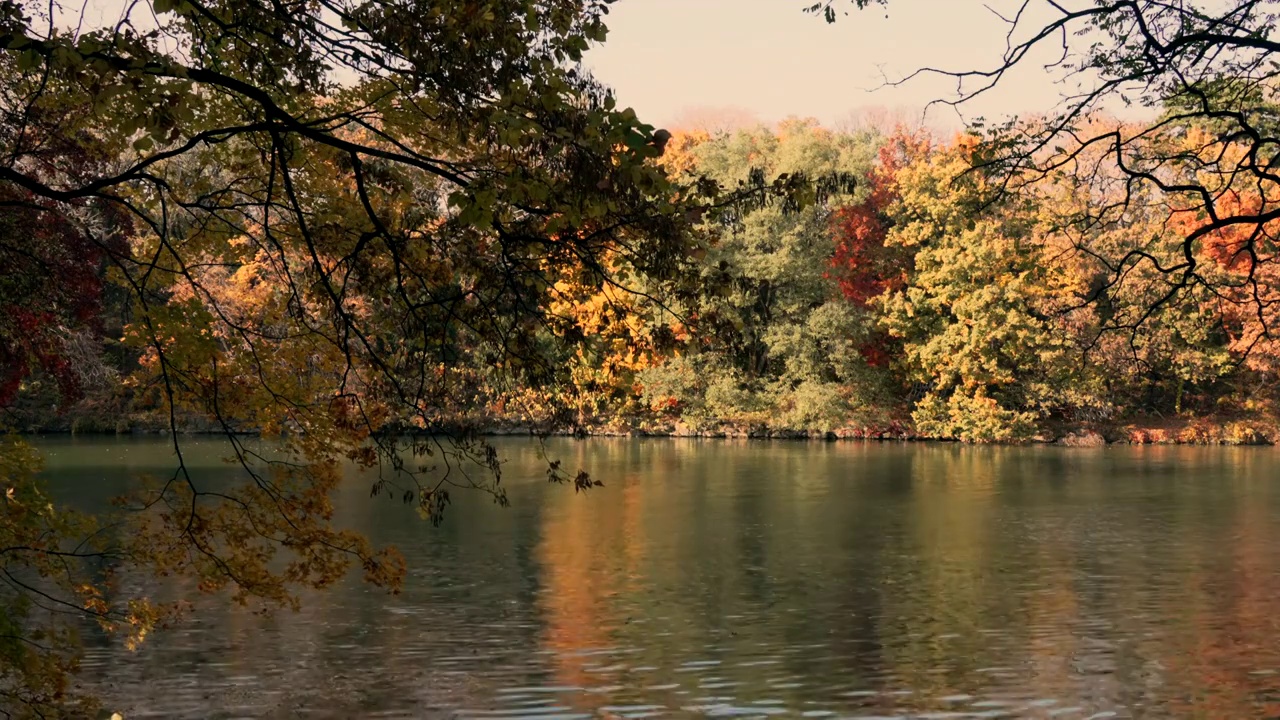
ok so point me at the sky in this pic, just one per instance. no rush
(680, 61)
(709, 62)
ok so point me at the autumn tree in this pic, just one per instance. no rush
(1190, 70)
(335, 223)
(865, 266)
(51, 288)
(328, 218)
(1003, 316)
(772, 342)
(972, 318)
(1180, 200)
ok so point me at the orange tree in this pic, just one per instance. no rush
(332, 222)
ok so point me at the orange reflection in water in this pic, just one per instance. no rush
(1232, 651)
(591, 552)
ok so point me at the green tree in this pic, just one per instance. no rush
(774, 342)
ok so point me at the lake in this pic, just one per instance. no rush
(753, 578)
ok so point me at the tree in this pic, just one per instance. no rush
(346, 225)
(863, 263)
(973, 317)
(1001, 318)
(1187, 64)
(50, 297)
(327, 216)
(772, 342)
(1196, 166)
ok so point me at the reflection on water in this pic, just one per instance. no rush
(714, 578)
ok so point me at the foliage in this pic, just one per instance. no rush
(354, 228)
(1007, 318)
(827, 8)
(1202, 154)
(31, 676)
(864, 264)
(331, 222)
(973, 318)
(773, 342)
(615, 336)
(369, 231)
(56, 566)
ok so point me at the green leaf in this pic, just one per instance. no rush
(28, 60)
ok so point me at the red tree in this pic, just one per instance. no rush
(864, 267)
(50, 288)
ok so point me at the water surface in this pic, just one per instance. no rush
(721, 578)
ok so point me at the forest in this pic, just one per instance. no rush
(916, 300)
(379, 231)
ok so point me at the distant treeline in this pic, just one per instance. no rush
(932, 301)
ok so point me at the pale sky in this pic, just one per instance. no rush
(677, 61)
(670, 59)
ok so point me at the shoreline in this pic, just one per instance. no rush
(1186, 431)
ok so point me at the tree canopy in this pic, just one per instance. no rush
(326, 220)
(369, 230)
(1202, 77)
